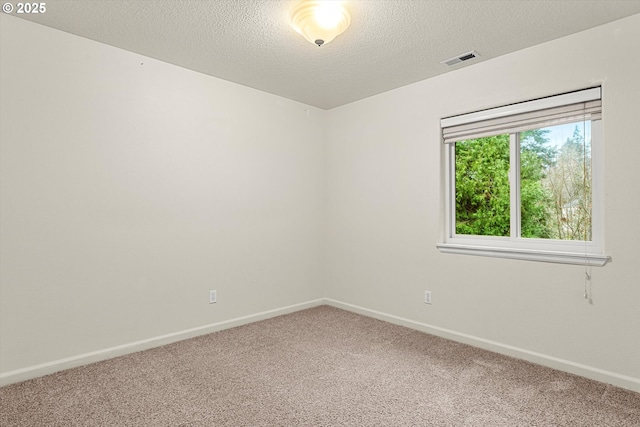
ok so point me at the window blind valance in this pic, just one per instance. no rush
(566, 108)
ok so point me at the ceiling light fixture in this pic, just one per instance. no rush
(320, 21)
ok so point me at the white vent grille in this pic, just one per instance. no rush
(461, 58)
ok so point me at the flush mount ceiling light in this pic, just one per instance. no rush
(320, 21)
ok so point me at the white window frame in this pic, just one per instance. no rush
(547, 250)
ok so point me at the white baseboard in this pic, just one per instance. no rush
(36, 371)
(586, 371)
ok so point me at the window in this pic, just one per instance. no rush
(524, 180)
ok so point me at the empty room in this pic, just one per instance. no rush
(319, 213)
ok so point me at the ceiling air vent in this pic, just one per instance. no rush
(460, 58)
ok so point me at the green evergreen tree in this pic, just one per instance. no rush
(482, 185)
(535, 160)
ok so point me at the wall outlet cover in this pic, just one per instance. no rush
(427, 297)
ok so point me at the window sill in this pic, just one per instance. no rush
(527, 255)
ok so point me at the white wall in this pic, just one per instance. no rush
(384, 213)
(130, 187)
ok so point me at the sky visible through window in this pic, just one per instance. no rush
(559, 134)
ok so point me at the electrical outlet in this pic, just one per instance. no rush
(427, 297)
(213, 297)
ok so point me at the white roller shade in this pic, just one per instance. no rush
(567, 108)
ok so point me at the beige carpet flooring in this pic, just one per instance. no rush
(317, 367)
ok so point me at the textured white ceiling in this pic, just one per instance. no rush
(390, 43)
